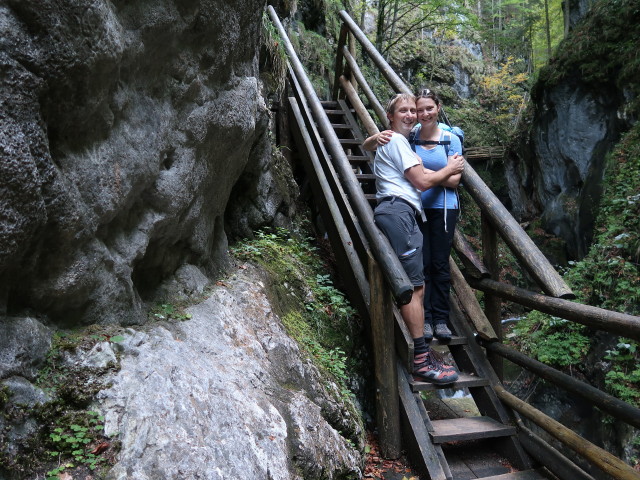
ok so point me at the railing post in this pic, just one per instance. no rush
(492, 303)
(384, 359)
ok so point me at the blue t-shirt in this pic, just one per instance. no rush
(434, 159)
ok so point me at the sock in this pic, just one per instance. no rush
(420, 346)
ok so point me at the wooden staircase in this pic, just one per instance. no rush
(458, 446)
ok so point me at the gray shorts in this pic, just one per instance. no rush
(397, 220)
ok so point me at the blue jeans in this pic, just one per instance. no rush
(435, 256)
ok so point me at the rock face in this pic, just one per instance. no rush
(226, 394)
(124, 127)
(559, 174)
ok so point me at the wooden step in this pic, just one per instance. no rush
(350, 141)
(468, 428)
(455, 340)
(357, 158)
(341, 126)
(365, 177)
(524, 475)
(464, 380)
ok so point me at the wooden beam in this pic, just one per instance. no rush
(594, 317)
(468, 256)
(470, 303)
(339, 64)
(375, 104)
(607, 403)
(359, 107)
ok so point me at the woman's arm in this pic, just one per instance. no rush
(424, 179)
(382, 138)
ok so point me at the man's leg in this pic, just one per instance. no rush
(413, 313)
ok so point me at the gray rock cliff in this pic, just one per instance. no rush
(226, 394)
(124, 127)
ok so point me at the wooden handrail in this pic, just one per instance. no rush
(513, 234)
(594, 317)
(375, 104)
(358, 106)
(617, 408)
(394, 273)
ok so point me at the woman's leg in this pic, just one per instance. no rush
(440, 243)
(426, 261)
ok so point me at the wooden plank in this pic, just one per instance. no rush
(464, 380)
(524, 475)
(468, 256)
(468, 428)
(358, 158)
(384, 354)
(363, 177)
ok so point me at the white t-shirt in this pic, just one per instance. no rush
(389, 166)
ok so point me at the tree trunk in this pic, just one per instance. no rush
(547, 28)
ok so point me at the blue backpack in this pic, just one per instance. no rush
(457, 131)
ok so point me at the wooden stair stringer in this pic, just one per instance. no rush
(485, 397)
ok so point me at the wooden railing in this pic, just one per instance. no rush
(378, 275)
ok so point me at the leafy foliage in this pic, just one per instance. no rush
(505, 91)
(609, 276)
(72, 437)
(552, 340)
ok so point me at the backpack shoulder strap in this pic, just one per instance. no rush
(413, 134)
(447, 142)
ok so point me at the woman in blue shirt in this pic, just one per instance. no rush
(441, 207)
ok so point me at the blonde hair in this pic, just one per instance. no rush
(391, 105)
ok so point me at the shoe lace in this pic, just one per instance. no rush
(437, 360)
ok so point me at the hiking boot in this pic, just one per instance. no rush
(427, 368)
(442, 332)
(428, 331)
